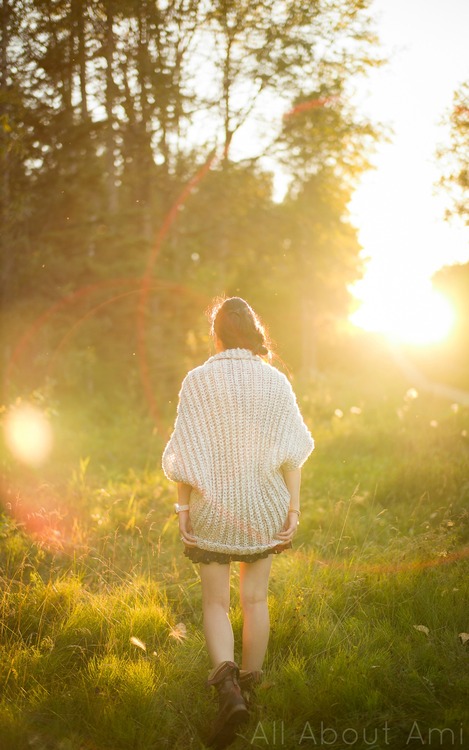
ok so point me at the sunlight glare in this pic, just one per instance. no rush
(28, 434)
(420, 317)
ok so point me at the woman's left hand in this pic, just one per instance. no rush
(289, 528)
(185, 529)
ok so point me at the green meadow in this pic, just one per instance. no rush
(101, 633)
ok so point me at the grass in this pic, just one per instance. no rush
(101, 632)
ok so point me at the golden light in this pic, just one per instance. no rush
(28, 434)
(418, 316)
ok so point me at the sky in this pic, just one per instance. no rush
(399, 213)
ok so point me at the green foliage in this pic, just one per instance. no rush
(454, 159)
(122, 216)
(365, 612)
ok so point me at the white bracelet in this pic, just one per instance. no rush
(178, 508)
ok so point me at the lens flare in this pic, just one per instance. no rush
(28, 435)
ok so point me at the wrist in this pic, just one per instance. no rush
(294, 510)
(180, 508)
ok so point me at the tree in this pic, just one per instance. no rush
(453, 282)
(119, 107)
(455, 157)
(448, 361)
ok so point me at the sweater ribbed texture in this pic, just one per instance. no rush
(238, 424)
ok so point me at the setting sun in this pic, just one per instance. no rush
(419, 316)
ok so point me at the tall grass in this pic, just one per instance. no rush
(101, 637)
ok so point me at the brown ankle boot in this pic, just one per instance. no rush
(248, 681)
(232, 710)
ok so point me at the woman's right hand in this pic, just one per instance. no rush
(185, 529)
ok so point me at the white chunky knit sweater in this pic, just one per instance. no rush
(237, 425)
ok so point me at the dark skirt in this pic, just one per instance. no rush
(198, 555)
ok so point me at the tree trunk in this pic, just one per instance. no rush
(223, 241)
(81, 54)
(227, 82)
(110, 139)
(144, 145)
(5, 219)
(64, 74)
(308, 340)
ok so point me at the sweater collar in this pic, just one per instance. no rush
(234, 354)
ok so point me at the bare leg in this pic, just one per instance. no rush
(254, 584)
(218, 632)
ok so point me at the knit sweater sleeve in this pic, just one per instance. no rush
(296, 441)
(178, 455)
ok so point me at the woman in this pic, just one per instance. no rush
(236, 452)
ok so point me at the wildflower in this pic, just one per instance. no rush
(355, 410)
(411, 394)
(433, 423)
(338, 413)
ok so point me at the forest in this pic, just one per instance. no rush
(140, 142)
(155, 155)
